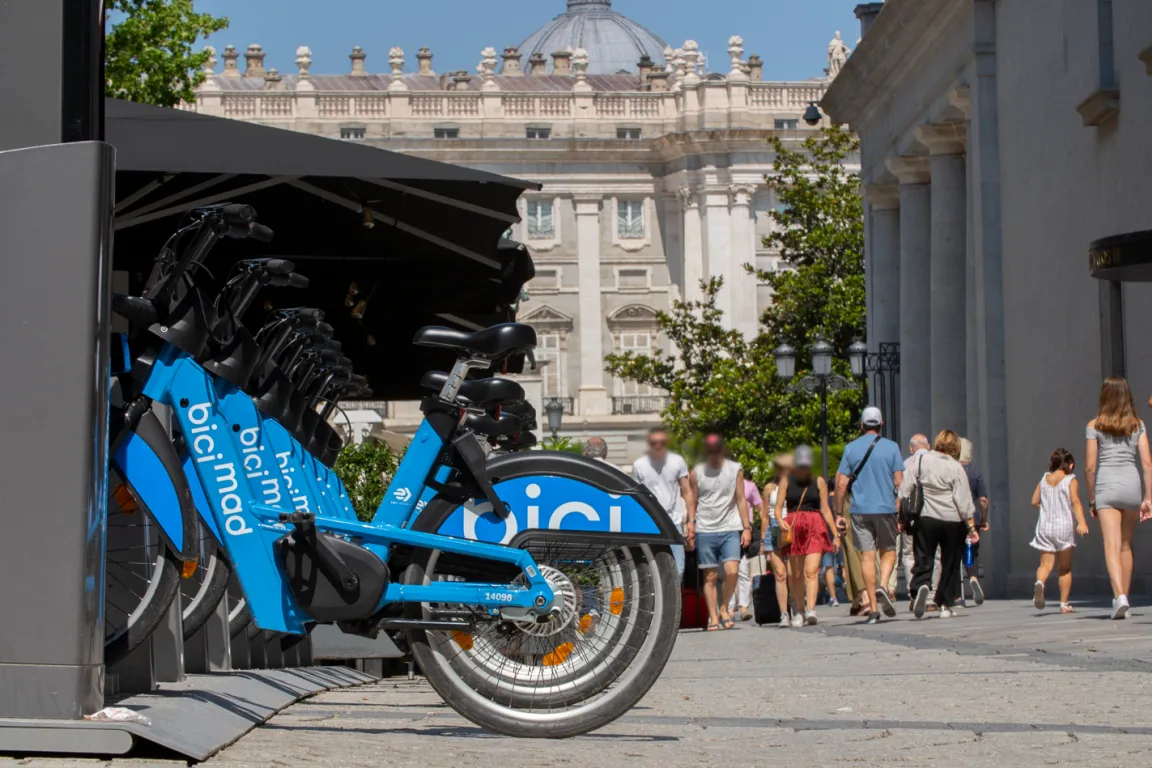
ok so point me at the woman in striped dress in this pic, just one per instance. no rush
(1061, 518)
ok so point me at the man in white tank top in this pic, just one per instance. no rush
(722, 527)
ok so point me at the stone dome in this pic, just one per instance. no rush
(613, 41)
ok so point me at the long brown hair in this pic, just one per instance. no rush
(1116, 416)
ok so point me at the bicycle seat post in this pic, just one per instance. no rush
(456, 378)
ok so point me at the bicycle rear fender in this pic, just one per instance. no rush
(561, 492)
(150, 466)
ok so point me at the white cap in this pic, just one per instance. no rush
(871, 417)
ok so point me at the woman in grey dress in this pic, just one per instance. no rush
(1117, 457)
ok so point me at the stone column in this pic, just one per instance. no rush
(961, 99)
(743, 251)
(693, 243)
(884, 258)
(949, 260)
(593, 395)
(718, 250)
(915, 304)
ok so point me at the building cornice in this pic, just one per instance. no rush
(903, 34)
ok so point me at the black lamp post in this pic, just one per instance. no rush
(812, 115)
(821, 380)
(555, 412)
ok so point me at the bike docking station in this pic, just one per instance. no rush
(191, 696)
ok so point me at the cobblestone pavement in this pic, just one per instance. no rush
(997, 685)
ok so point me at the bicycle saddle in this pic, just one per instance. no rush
(480, 392)
(489, 344)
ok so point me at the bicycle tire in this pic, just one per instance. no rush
(137, 592)
(570, 705)
(201, 596)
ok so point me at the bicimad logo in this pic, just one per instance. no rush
(224, 472)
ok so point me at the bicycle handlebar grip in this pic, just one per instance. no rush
(329, 355)
(334, 345)
(358, 379)
(345, 362)
(278, 267)
(240, 214)
(297, 281)
(325, 330)
(260, 232)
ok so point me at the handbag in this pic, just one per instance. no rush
(786, 535)
(912, 505)
(753, 548)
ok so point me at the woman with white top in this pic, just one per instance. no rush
(946, 521)
(1058, 497)
(772, 545)
(1117, 457)
(722, 527)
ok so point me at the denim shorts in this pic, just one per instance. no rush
(832, 560)
(715, 548)
(768, 544)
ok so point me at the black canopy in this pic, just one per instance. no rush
(418, 240)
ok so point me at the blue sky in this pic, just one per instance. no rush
(790, 35)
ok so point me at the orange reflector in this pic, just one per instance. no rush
(616, 601)
(585, 623)
(189, 568)
(463, 639)
(124, 498)
(559, 655)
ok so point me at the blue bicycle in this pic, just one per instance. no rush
(536, 590)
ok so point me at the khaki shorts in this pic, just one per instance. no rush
(872, 533)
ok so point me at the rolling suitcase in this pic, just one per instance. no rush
(694, 611)
(764, 606)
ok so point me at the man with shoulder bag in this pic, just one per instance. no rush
(871, 471)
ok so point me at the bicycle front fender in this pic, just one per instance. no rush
(147, 460)
(550, 494)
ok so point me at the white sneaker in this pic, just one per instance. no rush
(1038, 597)
(784, 621)
(797, 620)
(810, 618)
(947, 613)
(1120, 607)
(920, 603)
(834, 603)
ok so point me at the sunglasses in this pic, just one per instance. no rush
(657, 443)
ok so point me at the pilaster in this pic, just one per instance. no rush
(593, 394)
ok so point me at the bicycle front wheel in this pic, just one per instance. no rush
(618, 609)
(203, 591)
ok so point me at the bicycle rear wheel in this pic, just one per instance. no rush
(619, 608)
(203, 591)
(142, 574)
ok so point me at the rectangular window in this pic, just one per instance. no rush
(633, 279)
(787, 125)
(541, 220)
(631, 134)
(539, 133)
(548, 351)
(630, 219)
(446, 133)
(545, 281)
(639, 343)
(353, 133)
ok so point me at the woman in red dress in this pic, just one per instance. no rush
(812, 531)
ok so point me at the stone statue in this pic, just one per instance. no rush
(210, 62)
(669, 53)
(487, 66)
(838, 52)
(303, 60)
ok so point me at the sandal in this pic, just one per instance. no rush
(728, 623)
(1067, 608)
(712, 628)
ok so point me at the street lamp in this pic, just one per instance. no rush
(812, 115)
(857, 357)
(555, 412)
(821, 380)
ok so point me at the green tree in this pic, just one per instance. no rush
(149, 54)
(718, 380)
(365, 469)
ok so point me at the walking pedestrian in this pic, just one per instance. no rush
(811, 529)
(871, 472)
(1061, 518)
(741, 600)
(597, 448)
(980, 501)
(917, 446)
(666, 474)
(945, 521)
(772, 544)
(1117, 456)
(722, 527)
(832, 564)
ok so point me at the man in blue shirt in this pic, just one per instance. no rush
(871, 471)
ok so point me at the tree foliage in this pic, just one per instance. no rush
(365, 469)
(149, 54)
(718, 380)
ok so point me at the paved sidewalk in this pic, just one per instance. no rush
(997, 685)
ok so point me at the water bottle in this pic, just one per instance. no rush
(969, 558)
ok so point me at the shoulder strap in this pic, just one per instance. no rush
(860, 467)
